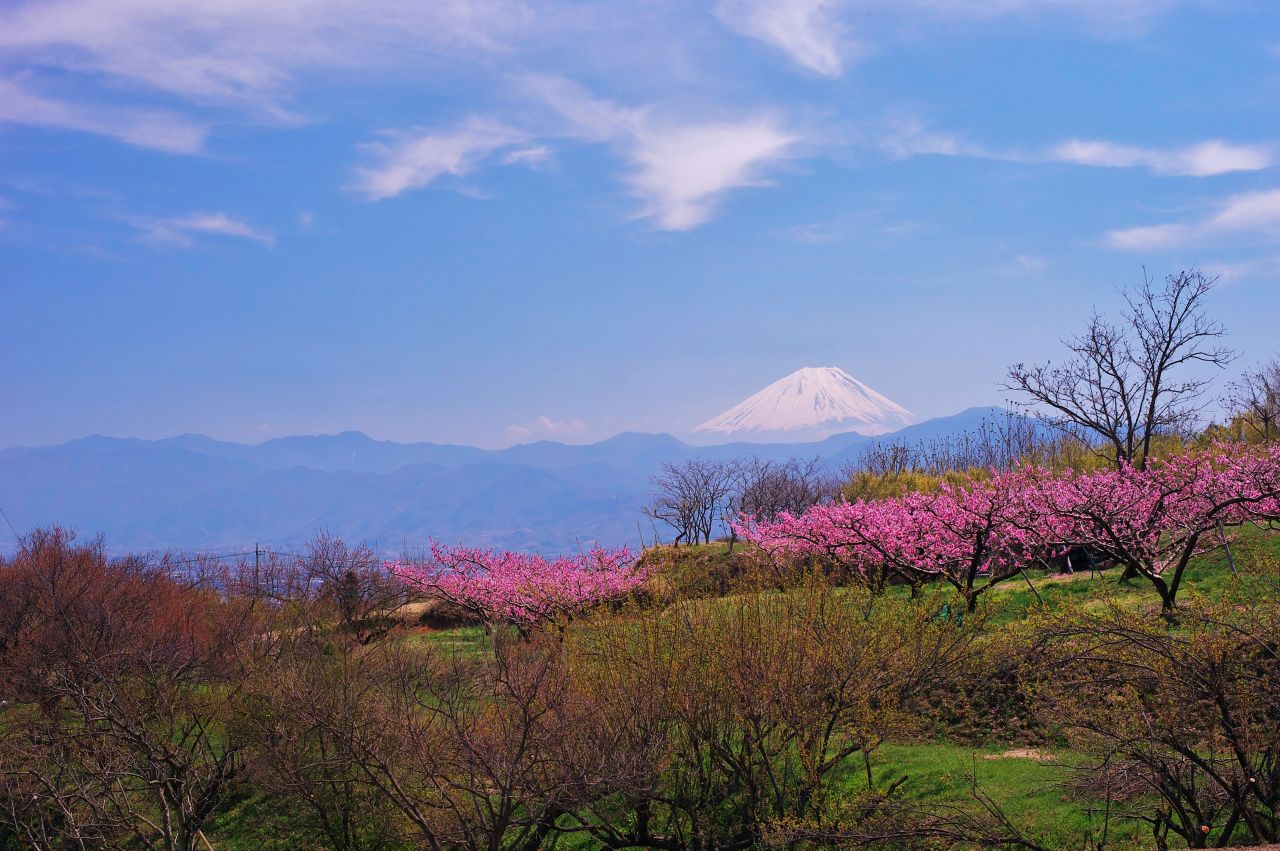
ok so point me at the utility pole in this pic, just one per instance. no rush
(1226, 543)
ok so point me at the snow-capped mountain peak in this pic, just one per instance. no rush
(809, 402)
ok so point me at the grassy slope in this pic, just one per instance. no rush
(1025, 783)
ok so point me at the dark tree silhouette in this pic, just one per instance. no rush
(1124, 384)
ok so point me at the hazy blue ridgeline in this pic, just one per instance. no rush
(194, 493)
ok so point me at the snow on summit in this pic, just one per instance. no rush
(810, 402)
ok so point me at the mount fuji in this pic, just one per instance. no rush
(809, 404)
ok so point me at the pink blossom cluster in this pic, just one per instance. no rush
(988, 528)
(1154, 521)
(1151, 521)
(522, 588)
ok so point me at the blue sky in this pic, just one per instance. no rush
(495, 221)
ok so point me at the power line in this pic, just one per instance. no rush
(256, 551)
(11, 529)
(209, 557)
(219, 557)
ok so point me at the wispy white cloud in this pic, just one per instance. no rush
(414, 160)
(581, 115)
(810, 32)
(1236, 271)
(162, 131)
(532, 155)
(245, 51)
(680, 168)
(821, 35)
(1030, 262)
(179, 230)
(865, 224)
(1204, 159)
(1250, 213)
(547, 427)
(907, 136)
(212, 56)
(682, 172)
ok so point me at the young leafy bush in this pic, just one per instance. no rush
(685, 573)
(305, 711)
(725, 716)
(413, 744)
(986, 701)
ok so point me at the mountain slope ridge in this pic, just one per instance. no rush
(809, 400)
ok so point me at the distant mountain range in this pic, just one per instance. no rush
(192, 492)
(810, 404)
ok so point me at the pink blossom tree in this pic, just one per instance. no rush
(863, 538)
(1152, 521)
(1252, 475)
(972, 535)
(987, 531)
(524, 589)
(1155, 521)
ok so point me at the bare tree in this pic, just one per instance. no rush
(730, 721)
(1255, 398)
(309, 701)
(463, 750)
(998, 443)
(123, 681)
(763, 489)
(688, 497)
(354, 581)
(1124, 384)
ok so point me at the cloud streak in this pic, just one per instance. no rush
(679, 169)
(681, 173)
(808, 31)
(1205, 159)
(179, 230)
(816, 35)
(244, 52)
(417, 159)
(904, 137)
(1247, 214)
(158, 130)
(544, 426)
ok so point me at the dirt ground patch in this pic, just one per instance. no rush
(1022, 753)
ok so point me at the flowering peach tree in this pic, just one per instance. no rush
(972, 535)
(1155, 521)
(524, 589)
(1151, 521)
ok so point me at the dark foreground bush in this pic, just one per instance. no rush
(1188, 715)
